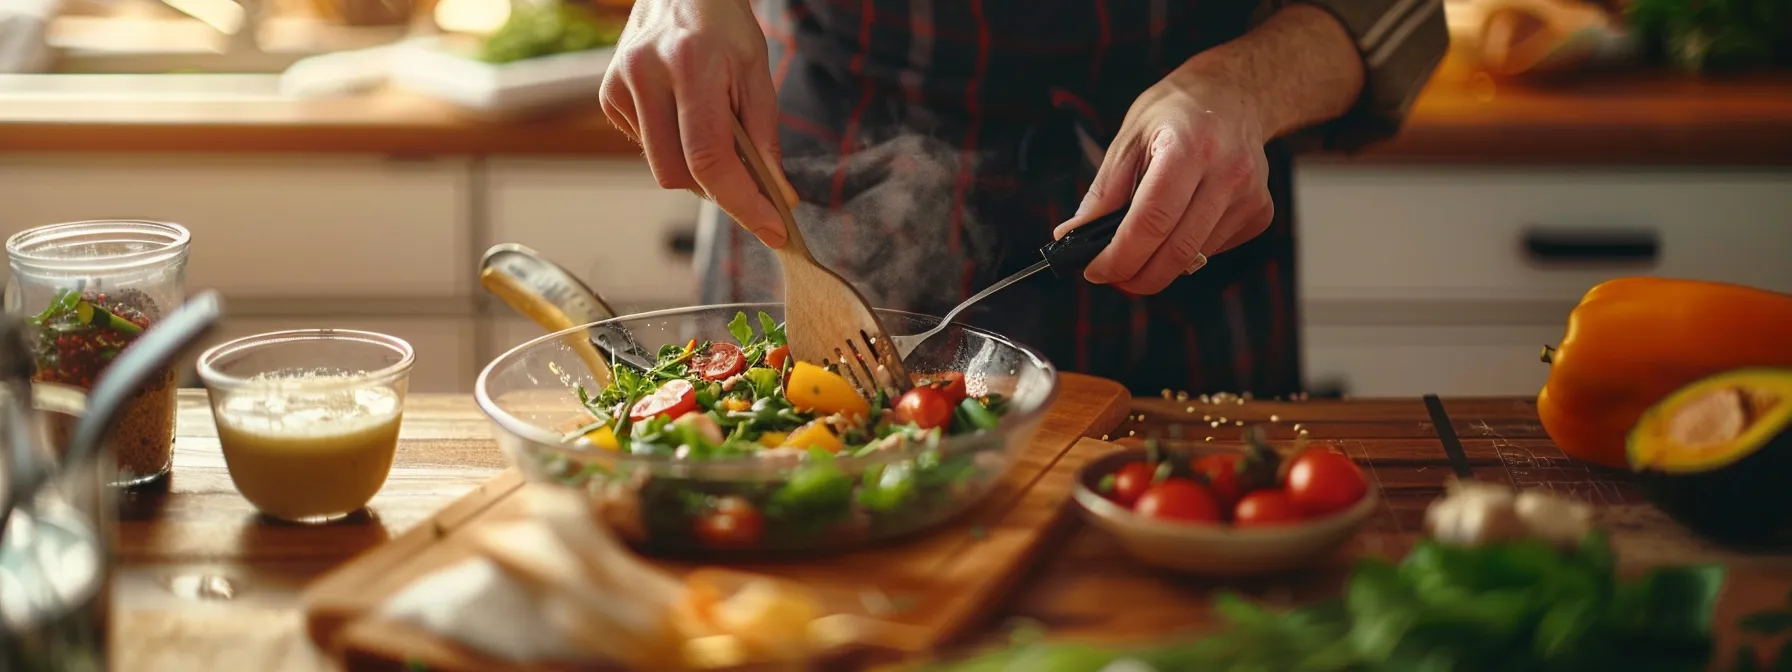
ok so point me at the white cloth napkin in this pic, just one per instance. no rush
(24, 25)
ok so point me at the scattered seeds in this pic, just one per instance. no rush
(1104, 437)
(1215, 423)
(1303, 432)
(1182, 396)
(1129, 432)
(1223, 420)
(1167, 393)
(1297, 426)
(1209, 438)
(1206, 418)
(1190, 410)
(1275, 418)
(1239, 423)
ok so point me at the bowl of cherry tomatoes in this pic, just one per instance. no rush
(1228, 513)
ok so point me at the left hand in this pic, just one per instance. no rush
(1193, 145)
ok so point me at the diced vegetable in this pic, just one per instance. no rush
(816, 434)
(603, 437)
(813, 388)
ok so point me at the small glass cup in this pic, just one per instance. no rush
(308, 419)
(55, 556)
(88, 290)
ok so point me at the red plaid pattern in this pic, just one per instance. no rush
(932, 143)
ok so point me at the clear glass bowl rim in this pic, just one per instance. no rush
(556, 442)
(172, 240)
(213, 378)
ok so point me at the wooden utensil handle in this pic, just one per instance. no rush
(762, 176)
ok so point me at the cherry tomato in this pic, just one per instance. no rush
(1178, 499)
(1221, 471)
(1131, 481)
(950, 384)
(675, 398)
(924, 407)
(1321, 482)
(732, 523)
(775, 358)
(719, 361)
(1264, 508)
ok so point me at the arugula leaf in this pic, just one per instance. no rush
(774, 332)
(765, 381)
(740, 329)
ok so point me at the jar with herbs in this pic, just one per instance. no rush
(88, 290)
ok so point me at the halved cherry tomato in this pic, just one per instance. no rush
(1264, 508)
(675, 398)
(719, 361)
(1131, 481)
(950, 385)
(731, 523)
(1178, 499)
(1321, 482)
(1221, 472)
(775, 358)
(924, 407)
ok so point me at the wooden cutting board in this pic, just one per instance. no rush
(938, 583)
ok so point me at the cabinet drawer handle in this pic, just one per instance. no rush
(682, 243)
(1620, 246)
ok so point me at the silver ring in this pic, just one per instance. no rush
(1200, 260)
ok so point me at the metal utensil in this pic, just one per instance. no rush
(152, 353)
(827, 321)
(554, 298)
(1067, 257)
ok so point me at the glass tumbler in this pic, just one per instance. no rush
(55, 556)
(89, 289)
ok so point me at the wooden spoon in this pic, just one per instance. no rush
(827, 322)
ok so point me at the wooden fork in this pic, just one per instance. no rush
(827, 321)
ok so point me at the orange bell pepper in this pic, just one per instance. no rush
(1632, 341)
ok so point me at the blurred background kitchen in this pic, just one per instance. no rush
(344, 163)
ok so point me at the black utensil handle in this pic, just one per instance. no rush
(1592, 246)
(1068, 256)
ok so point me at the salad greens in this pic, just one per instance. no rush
(1520, 605)
(747, 399)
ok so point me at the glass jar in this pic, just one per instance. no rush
(88, 290)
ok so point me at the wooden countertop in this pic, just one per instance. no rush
(204, 584)
(1463, 117)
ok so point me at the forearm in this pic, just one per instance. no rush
(1299, 68)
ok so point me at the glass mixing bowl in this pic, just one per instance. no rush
(657, 503)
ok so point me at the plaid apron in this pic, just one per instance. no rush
(935, 145)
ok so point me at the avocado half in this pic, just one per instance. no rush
(1716, 456)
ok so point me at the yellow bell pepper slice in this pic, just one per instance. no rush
(819, 390)
(816, 434)
(604, 438)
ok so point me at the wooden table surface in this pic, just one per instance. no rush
(1624, 117)
(205, 584)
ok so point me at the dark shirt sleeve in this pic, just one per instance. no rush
(1400, 42)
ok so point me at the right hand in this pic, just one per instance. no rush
(682, 69)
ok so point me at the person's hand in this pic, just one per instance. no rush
(683, 71)
(1193, 145)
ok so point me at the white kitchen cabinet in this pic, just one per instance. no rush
(280, 226)
(1429, 279)
(607, 221)
(1464, 233)
(1408, 360)
(445, 347)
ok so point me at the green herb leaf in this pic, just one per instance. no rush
(740, 329)
(774, 332)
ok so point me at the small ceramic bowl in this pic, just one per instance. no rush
(1215, 550)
